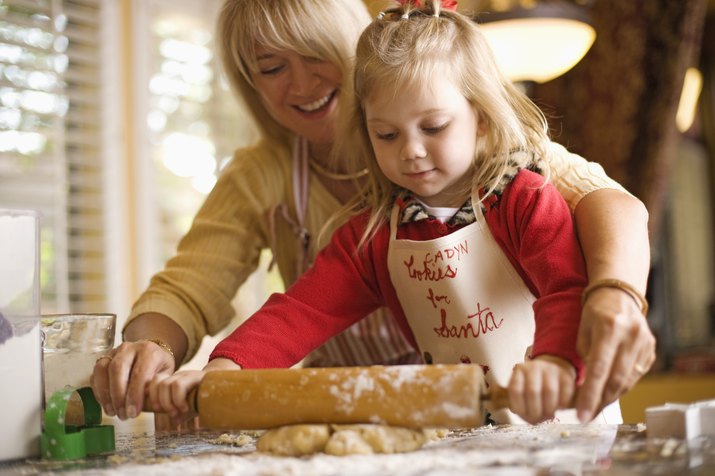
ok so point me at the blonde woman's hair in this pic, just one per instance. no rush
(394, 53)
(323, 29)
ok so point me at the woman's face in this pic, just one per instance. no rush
(299, 92)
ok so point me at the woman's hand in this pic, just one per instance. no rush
(613, 339)
(168, 393)
(119, 378)
(541, 386)
(617, 346)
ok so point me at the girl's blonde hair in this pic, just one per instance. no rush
(327, 30)
(394, 53)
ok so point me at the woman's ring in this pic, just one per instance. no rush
(109, 357)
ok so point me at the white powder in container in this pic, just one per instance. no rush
(21, 395)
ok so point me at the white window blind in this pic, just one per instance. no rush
(51, 141)
(83, 148)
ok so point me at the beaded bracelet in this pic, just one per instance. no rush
(616, 283)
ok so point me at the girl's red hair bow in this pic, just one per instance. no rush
(446, 4)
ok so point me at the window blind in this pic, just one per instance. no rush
(83, 149)
(50, 141)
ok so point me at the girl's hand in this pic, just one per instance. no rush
(168, 393)
(541, 386)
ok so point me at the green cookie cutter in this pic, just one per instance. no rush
(60, 441)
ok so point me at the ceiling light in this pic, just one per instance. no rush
(538, 40)
(688, 105)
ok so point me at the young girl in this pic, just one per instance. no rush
(283, 59)
(457, 234)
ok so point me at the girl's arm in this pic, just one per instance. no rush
(614, 335)
(337, 291)
(535, 228)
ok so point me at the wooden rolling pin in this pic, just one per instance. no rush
(415, 396)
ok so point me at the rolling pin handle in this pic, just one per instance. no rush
(499, 397)
(192, 400)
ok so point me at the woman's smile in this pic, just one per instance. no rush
(316, 105)
(300, 93)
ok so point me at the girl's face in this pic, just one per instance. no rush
(424, 138)
(300, 93)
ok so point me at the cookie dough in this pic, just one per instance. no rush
(294, 440)
(229, 439)
(341, 440)
(367, 439)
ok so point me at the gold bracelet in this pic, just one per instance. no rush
(163, 345)
(616, 283)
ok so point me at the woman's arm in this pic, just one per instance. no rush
(614, 337)
(612, 227)
(191, 297)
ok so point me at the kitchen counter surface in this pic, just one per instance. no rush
(547, 449)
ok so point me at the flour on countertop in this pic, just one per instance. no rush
(510, 450)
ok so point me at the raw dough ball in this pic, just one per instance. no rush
(347, 442)
(294, 440)
(435, 434)
(340, 440)
(366, 439)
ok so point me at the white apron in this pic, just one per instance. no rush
(465, 302)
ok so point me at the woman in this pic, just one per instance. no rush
(288, 60)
